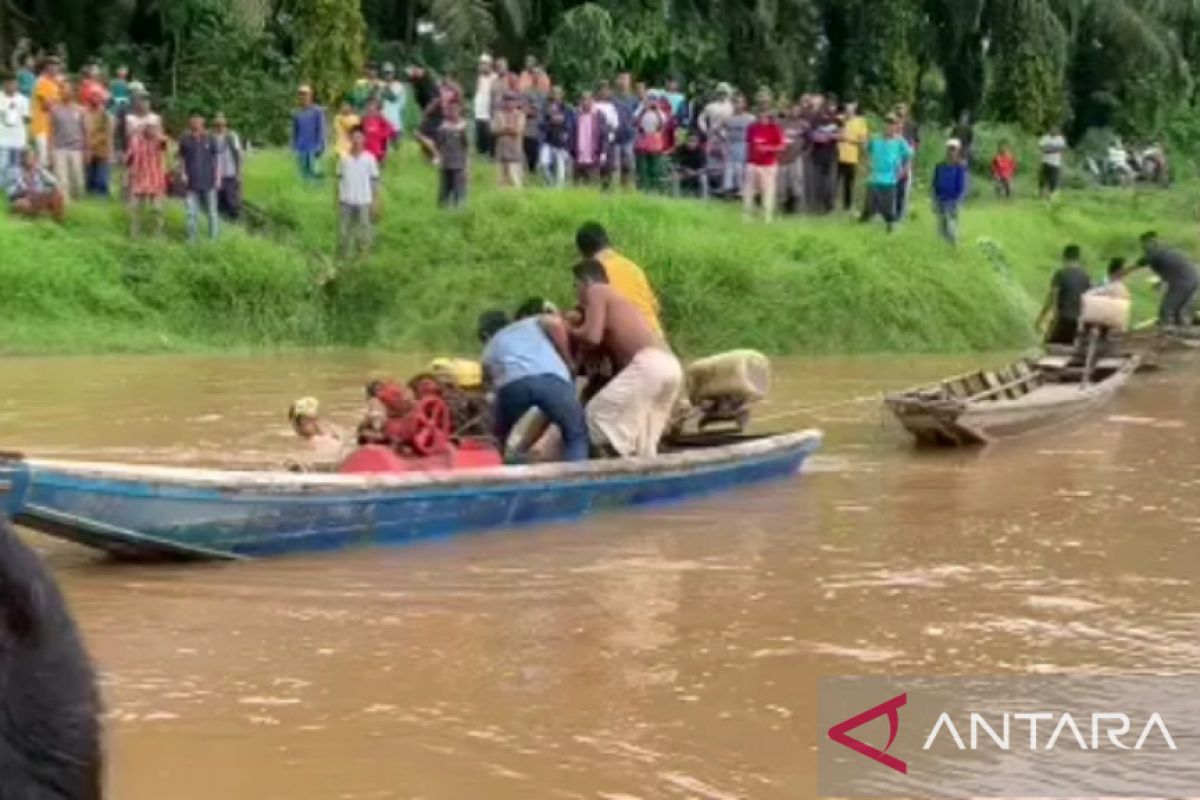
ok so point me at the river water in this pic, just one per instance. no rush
(669, 654)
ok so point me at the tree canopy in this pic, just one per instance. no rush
(1129, 65)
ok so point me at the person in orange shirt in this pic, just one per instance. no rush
(624, 276)
(46, 93)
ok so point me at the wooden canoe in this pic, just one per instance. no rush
(1027, 396)
(164, 512)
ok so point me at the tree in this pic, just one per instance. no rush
(582, 49)
(1029, 64)
(332, 45)
(1126, 72)
(959, 36)
(882, 50)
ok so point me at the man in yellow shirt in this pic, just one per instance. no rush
(625, 277)
(46, 93)
(343, 124)
(850, 148)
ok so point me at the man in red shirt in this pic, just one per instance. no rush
(377, 132)
(764, 143)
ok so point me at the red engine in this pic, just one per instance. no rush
(417, 434)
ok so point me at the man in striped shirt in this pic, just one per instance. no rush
(145, 160)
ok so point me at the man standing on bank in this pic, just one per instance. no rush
(1179, 277)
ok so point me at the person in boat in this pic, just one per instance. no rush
(1114, 284)
(375, 415)
(1179, 277)
(529, 365)
(625, 277)
(1113, 323)
(325, 445)
(633, 409)
(1067, 287)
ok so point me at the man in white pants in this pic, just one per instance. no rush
(68, 143)
(628, 416)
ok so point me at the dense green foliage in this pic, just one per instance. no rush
(801, 285)
(332, 42)
(1126, 65)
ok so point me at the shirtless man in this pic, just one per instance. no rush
(630, 413)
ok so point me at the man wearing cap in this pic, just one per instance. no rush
(949, 190)
(394, 97)
(308, 135)
(482, 106)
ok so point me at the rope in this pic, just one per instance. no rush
(812, 410)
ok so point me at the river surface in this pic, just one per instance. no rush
(663, 654)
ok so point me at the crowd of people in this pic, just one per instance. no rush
(98, 135)
(809, 156)
(62, 139)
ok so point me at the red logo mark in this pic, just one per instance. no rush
(890, 707)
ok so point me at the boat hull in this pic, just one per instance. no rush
(202, 514)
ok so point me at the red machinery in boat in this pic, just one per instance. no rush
(412, 429)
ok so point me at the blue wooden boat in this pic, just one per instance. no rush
(169, 512)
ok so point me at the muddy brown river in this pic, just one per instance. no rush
(661, 654)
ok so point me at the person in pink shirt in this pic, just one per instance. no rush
(764, 143)
(589, 140)
(377, 132)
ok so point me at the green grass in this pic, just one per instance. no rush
(800, 286)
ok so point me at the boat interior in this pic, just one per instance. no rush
(1021, 379)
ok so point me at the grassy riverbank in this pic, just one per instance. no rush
(801, 285)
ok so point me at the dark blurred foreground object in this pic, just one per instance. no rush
(49, 708)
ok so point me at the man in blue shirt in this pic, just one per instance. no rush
(949, 190)
(308, 135)
(527, 363)
(889, 154)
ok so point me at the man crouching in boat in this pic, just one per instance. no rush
(528, 364)
(326, 447)
(631, 412)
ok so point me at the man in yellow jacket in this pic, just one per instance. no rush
(624, 276)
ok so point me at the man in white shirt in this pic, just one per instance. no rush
(484, 84)
(14, 134)
(357, 197)
(1052, 145)
(712, 119)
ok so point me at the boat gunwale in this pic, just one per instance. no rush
(249, 480)
(911, 400)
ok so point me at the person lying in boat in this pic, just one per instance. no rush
(528, 364)
(1067, 287)
(633, 409)
(325, 445)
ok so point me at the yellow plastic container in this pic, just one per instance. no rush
(465, 373)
